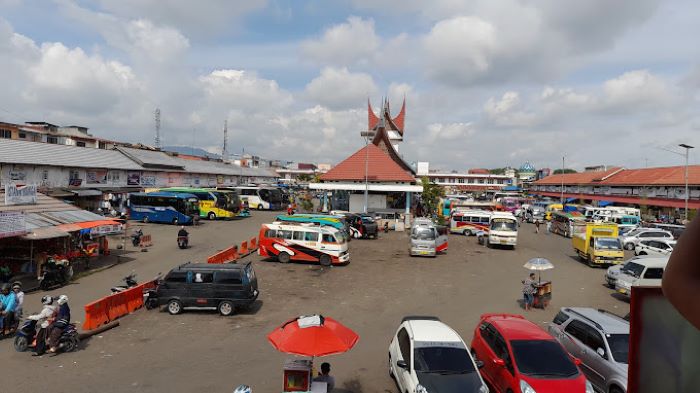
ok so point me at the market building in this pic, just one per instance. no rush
(475, 180)
(659, 191)
(377, 169)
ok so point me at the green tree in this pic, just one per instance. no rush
(565, 170)
(497, 171)
(431, 195)
(304, 178)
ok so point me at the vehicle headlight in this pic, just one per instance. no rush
(526, 388)
(589, 387)
(421, 389)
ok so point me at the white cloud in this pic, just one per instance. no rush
(340, 89)
(636, 90)
(347, 43)
(239, 90)
(450, 131)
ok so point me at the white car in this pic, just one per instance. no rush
(630, 239)
(646, 272)
(659, 248)
(427, 356)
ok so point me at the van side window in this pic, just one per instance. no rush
(200, 277)
(228, 278)
(328, 238)
(654, 273)
(311, 236)
(176, 277)
(271, 233)
(298, 235)
(284, 234)
(484, 220)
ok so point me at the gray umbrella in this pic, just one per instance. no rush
(538, 264)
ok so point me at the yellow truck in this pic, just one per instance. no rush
(597, 243)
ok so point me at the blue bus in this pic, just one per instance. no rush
(164, 207)
(336, 222)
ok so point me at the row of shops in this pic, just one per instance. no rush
(36, 228)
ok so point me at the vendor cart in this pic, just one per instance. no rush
(543, 294)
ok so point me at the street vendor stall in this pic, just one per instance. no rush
(310, 336)
(543, 289)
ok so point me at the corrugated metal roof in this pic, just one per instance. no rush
(151, 158)
(578, 178)
(666, 176)
(34, 153)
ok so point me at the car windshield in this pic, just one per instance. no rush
(422, 233)
(633, 269)
(501, 224)
(634, 232)
(543, 359)
(607, 244)
(619, 346)
(450, 360)
(367, 220)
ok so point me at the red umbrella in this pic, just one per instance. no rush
(314, 335)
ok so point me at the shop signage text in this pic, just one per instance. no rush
(20, 195)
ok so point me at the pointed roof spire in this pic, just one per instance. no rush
(372, 119)
(399, 119)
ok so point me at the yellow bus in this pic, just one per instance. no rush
(213, 203)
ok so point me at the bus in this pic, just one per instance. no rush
(563, 223)
(303, 242)
(469, 222)
(261, 197)
(625, 223)
(503, 230)
(213, 204)
(163, 207)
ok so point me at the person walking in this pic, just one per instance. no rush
(537, 226)
(529, 291)
(549, 227)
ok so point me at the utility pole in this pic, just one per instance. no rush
(157, 119)
(224, 150)
(687, 149)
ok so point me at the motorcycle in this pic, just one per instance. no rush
(182, 242)
(130, 282)
(136, 237)
(25, 338)
(56, 273)
(386, 227)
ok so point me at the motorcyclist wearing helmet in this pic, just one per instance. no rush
(43, 319)
(8, 303)
(61, 322)
(182, 232)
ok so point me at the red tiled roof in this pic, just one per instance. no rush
(479, 171)
(380, 167)
(667, 176)
(577, 178)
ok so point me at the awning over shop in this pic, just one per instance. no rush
(86, 192)
(569, 200)
(97, 227)
(59, 193)
(604, 203)
(45, 233)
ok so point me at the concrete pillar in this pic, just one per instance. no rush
(408, 202)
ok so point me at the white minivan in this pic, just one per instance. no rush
(646, 272)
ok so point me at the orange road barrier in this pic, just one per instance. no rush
(228, 255)
(146, 241)
(244, 249)
(253, 244)
(114, 306)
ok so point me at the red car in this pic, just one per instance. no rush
(520, 357)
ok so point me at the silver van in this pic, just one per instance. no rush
(427, 239)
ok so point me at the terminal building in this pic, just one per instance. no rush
(377, 169)
(659, 191)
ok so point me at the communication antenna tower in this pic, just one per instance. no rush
(224, 150)
(157, 118)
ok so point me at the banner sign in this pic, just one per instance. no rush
(148, 179)
(20, 195)
(96, 177)
(108, 229)
(133, 178)
(12, 224)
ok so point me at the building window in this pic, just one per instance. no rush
(22, 135)
(45, 175)
(52, 139)
(7, 134)
(461, 180)
(481, 181)
(80, 144)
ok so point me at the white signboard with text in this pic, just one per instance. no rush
(12, 224)
(20, 195)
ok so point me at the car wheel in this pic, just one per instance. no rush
(175, 221)
(174, 307)
(145, 220)
(283, 257)
(226, 308)
(21, 343)
(211, 216)
(615, 389)
(260, 207)
(325, 260)
(629, 246)
(642, 253)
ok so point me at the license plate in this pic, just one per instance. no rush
(423, 252)
(622, 291)
(503, 241)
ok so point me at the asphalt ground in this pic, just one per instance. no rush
(152, 351)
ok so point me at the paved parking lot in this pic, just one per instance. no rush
(200, 351)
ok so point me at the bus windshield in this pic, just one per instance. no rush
(423, 233)
(191, 207)
(504, 224)
(271, 195)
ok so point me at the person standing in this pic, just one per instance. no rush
(537, 226)
(529, 291)
(324, 376)
(8, 303)
(549, 227)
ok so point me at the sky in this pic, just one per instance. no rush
(487, 83)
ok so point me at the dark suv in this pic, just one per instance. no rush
(222, 287)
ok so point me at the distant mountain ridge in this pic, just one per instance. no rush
(193, 151)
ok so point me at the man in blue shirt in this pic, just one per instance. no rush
(8, 303)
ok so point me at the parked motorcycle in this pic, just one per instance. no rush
(56, 273)
(130, 282)
(25, 338)
(136, 237)
(183, 242)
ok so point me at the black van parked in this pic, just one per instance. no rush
(222, 287)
